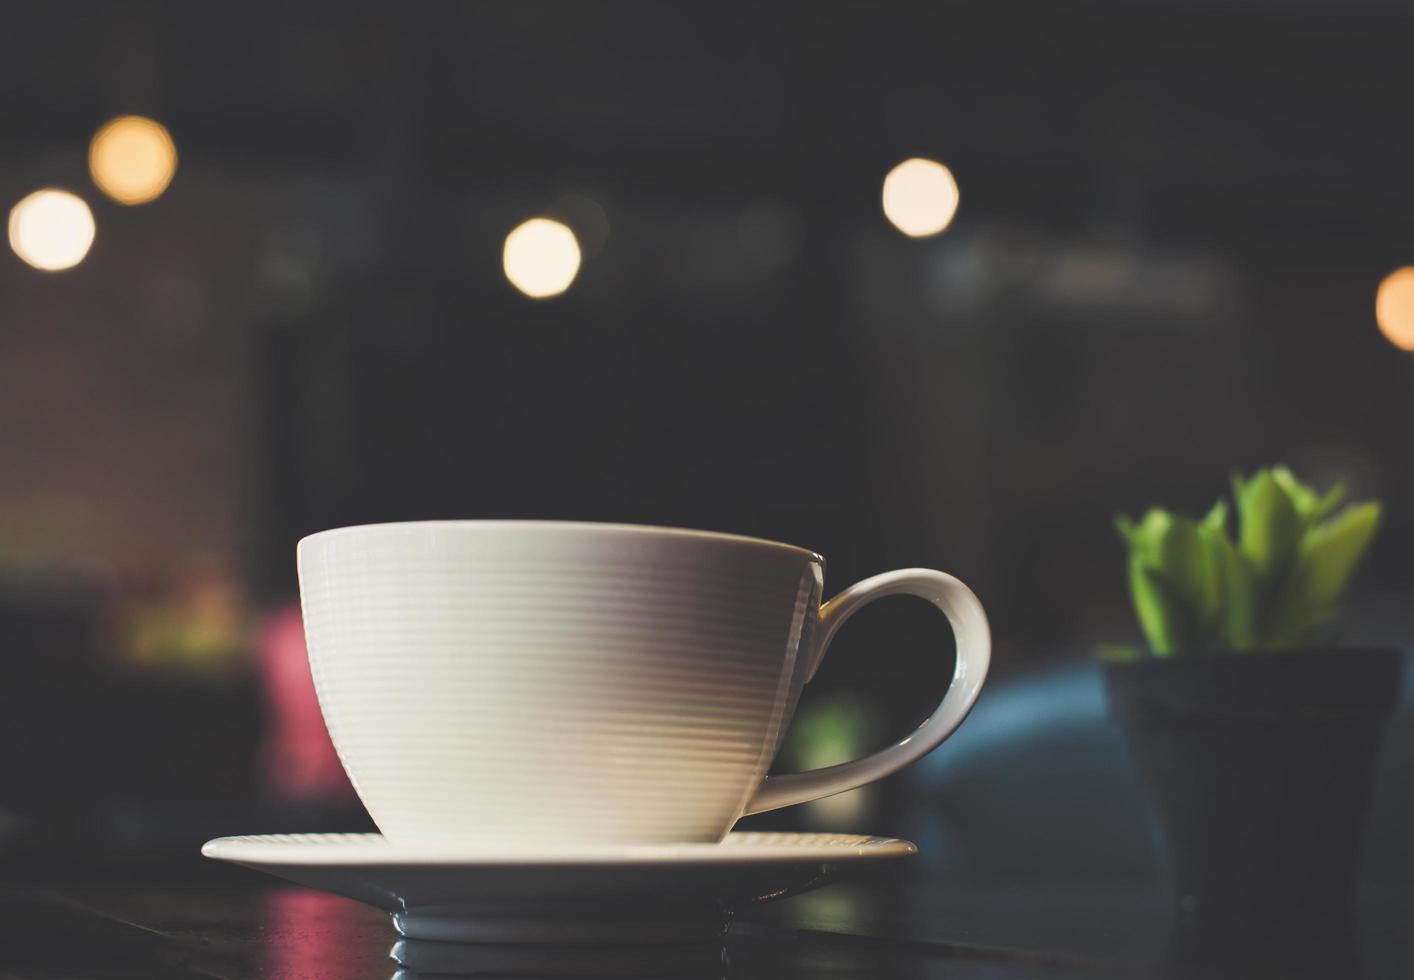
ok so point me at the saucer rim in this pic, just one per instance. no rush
(374, 850)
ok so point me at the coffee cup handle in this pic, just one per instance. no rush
(974, 654)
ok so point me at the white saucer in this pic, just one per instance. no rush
(558, 893)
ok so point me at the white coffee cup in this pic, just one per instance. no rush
(536, 682)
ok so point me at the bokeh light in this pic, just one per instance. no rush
(541, 257)
(1394, 307)
(920, 197)
(132, 159)
(51, 229)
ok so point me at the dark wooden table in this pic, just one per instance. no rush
(237, 926)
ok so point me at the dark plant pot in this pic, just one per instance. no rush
(1258, 767)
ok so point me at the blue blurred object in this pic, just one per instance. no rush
(1036, 787)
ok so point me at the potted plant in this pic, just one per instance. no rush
(1253, 732)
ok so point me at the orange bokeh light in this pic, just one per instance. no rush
(1394, 307)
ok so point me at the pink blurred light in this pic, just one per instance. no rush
(300, 762)
(316, 936)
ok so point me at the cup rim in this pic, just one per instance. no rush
(604, 527)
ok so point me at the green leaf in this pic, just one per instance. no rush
(1326, 504)
(1236, 587)
(1302, 497)
(1239, 486)
(1171, 581)
(1330, 553)
(1195, 588)
(1126, 527)
(1211, 530)
(1269, 527)
(1165, 614)
(1146, 536)
(1310, 506)
(1176, 550)
(1216, 518)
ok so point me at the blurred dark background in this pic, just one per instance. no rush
(1173, 220)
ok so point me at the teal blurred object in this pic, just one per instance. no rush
(1036, 788)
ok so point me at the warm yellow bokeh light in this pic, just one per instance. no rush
(541, 258)
(1394, 307)
(51, 229)
(132, 159)
(920, 197)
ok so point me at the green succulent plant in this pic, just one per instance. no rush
(1274, 587)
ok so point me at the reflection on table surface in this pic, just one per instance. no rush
(904, 929)
(295, 933)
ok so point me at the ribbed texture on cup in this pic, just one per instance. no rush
(523, 680)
